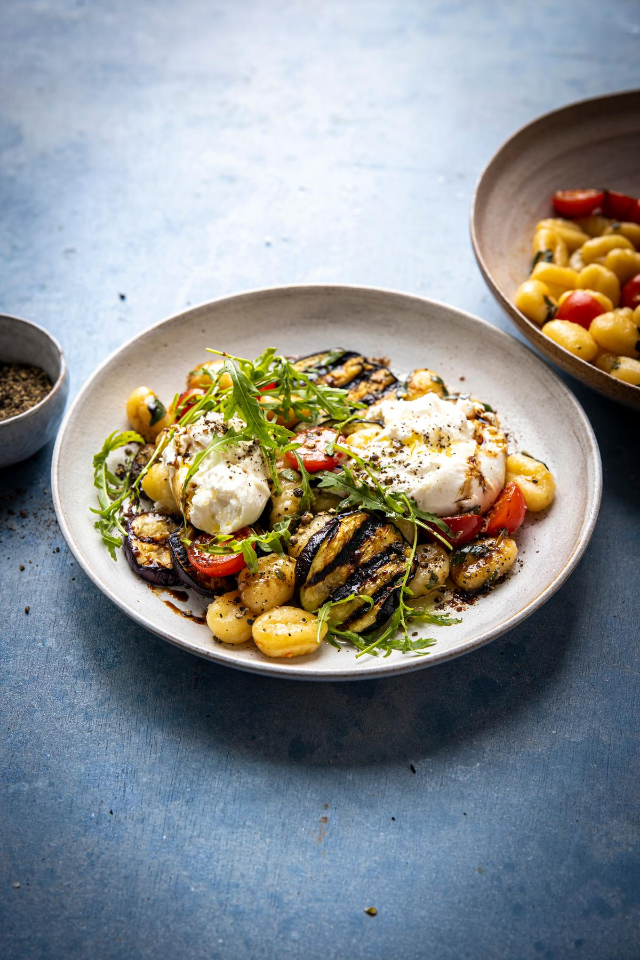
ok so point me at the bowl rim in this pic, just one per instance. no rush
(603, 383)
(274, 668)
(62, 375)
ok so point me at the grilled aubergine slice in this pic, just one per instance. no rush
(146, 547)
(354, 553)
(187, 573)
(366, 380)
(141, 459)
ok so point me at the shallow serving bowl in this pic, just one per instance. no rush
(541, 414)
(594, 143)
(22, 341)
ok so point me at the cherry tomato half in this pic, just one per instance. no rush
(508, 511)
(577, 203)
(216, 564)
(630, 296)
(195, 393)
(313, 449)
(464, 528)
(618, 205)
(580, 307)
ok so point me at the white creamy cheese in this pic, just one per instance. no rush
(230, 488)
(448, 455)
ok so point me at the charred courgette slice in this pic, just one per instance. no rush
(366, 380)
(147, 547)
(358, 554)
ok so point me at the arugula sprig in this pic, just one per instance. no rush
(113, 491)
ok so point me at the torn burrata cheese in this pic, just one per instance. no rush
(230, 488)
(448, 454)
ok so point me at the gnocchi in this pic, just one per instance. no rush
(601, 280)
(424, 381)
(157, 487)
(572, 337)
(432, 569)
(483, 562)
(272, 585)
(616, 332)
(288, 501)
(593, 246)
(288, 632)
(229, 619)
(535, 301)
(534, 479)
(147, 414)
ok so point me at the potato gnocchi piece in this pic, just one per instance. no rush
(534, 299)
(271, 586)
(599, 278)
(616, 332)
(147, 414)
(203, 376)
(483, 562)
(572, 337)
(288, 502)
(432, 569)
(596, 249)
(288, 632)
(424, 381)
(157, 487)
(229, 619)
(534, 479)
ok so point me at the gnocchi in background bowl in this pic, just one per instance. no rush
(584, 287)
(579, 249)
(318, 500)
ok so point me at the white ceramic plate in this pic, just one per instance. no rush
(540, 413)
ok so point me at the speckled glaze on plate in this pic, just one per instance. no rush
(593, 143)
(538, 410)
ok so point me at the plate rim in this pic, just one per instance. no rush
(603, 384)
(383, 668)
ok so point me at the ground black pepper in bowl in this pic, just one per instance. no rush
(22, 386)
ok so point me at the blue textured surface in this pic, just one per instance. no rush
(159, 806)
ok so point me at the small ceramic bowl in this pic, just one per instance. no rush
(22, 341)
(594, 143)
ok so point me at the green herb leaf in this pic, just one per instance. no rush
(113, 491)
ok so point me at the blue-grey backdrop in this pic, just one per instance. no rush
(155, 155)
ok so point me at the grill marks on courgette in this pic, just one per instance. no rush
(358, 554)
(365, 379)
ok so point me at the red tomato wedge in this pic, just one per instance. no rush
(620, 206)
(630, 296)
(195, 393)
(634, 213)
(508, 511)
(313, 449)
(268, 386)
(580, 307)
(216, 564)
(577, 203)
(464, 528)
